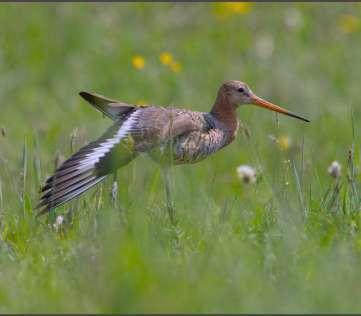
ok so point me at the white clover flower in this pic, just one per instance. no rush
(58, 222)
(247, 174)
(264, 46)
(334, 170)
(293, 19)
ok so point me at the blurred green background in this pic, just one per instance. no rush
(290, 242)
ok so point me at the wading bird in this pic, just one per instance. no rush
(169, 135)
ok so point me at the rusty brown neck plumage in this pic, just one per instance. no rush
(225, 111)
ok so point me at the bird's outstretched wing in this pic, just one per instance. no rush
(109, 107)
(90, 165)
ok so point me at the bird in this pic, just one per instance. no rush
(169, 135)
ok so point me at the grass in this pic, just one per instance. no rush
(289, 243)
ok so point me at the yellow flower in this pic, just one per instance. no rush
(226, 9)
(175, 66)
(166, 58)
(348, 23)
(238, 7)
(284, 142)
(138, 62)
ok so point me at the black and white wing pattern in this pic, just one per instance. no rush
(90, 165)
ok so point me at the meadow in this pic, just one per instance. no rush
(290, 242)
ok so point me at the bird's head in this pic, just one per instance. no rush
(238, 93)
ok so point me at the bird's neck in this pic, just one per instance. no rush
(224, 111)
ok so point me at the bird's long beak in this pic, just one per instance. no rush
(270, 106)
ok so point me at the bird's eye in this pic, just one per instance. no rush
(241, 90)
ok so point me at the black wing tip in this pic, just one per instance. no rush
(42, 212)
(42, 209)
(96, 99)
(86, 95)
